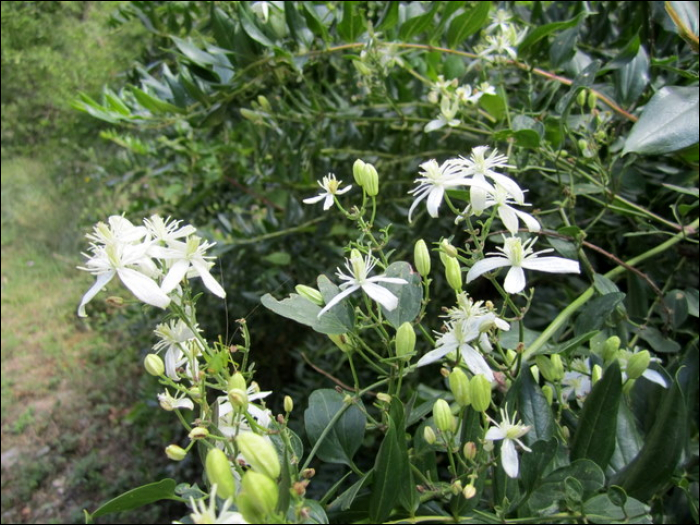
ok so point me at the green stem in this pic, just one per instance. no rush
(563, 317)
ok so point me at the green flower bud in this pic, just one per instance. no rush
(470, 450)
(456, 487)
(469, 491)
(260, 453)
(610, 348)
(459, 385)
(312, 294)
(447, 250)
(628, 386)
(198, 433)
(548, 394)
(371, 178)
(342, 341)
(581, 97)
(154, 365)
(421, 257)
(551, 367)
(238, 398)
(218, 471)
(258, 497)
(237, 381)
(444, 420)
(358, 171)
(384, 397)
(480, 392)
(535, 371)
(596, 374)
(288, 404)
(264, 103)
(453, 274)
(592, 99)
(362, 68)
(175, 453)
(637, 364)
(405, 341)
(429, 435)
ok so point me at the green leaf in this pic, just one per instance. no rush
(625, 56)
(153, 104)
(563, 47)
(390, 17)
(341, 311)
(296, 25)
(601, 509)
(569, 346)
(353, 22)
(676, 308)
(632, 78)
(658, 342)
(344, 501)
(314, 21)
(543, 31)
(583, 80)
(467, 23)
(345, 437)
(653, 467)
(417, 24)
(534, 409)
(533, 464)
(410, 295)
(668, 123)
(693, 297)
(552, 489)
(386, 485)
(596, 313)
(249, 24)
(597, 424)
(628, 442)
(138, 497)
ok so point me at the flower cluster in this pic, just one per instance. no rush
(150, 260)
(502, 39)
(453, 99)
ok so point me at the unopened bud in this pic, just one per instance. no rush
(218, 471)
(371, 179)
(238, 398)
(453, 274)
(260, 453)
(581, 97)
(405, 341)
(198, 433)
(548, 394)
(308, 473)
(384, 397)
(358, 170)
(535, 371)
(459, 385)
(237, 381)
(596, 374)
(469, 491)
(264, 103)
(154, 365)
(429, 435)
(442, 414)
(342, 341)
(551, 367)
(610, 348)
(456, 487)
(480, 393)
(312, 294)
(637, 364)
(447, 250)
(258, 497)
(628, 386)
(421, 257)
(175, 453)
(470, 450)
(288, 404)
(115, 300)
(592, 99)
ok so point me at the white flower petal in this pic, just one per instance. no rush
(532, 224)
(476, 362)
(495, 433)
(655, 377)
(328, 202)
(509, 218)
(342, 295)
(434, 200)
(144, 288)
(175, 275)
(100, 283)
(380, 294)
(314, 200)
(486, 265)
(212, 284)
(515, 280)
(434, 355)
(552, 265)
(509, 458)
(509, 185)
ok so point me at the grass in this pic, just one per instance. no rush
(70, 439)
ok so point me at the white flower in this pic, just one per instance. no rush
(577, 381)
(177, 339)
(436, 179)
(170, 403)
(510, 216)
(330, 185)
(207, 514)
(457, 339)
(448, 112)
(359, 268)
(189, 255)
(131, 264)
(119, 231)
(166, 230)
(510, 434)
(520, 256)
(480, 168)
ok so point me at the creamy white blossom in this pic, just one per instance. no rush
(480, 167)
(203, 513)
(178, 341)
(357, 279)
(170, 403)
(520, 257)
(188, 259)
(331, 186)
(510, 432)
